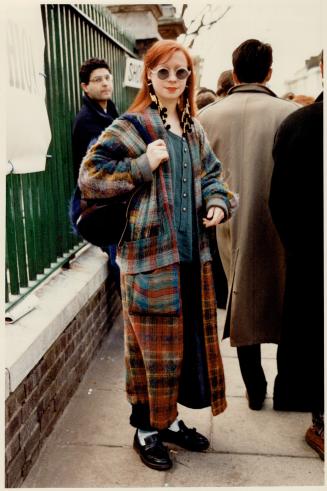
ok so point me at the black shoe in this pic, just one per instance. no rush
(186, 437)
(256, 402)
(153, 454)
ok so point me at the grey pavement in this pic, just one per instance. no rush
(91, 445)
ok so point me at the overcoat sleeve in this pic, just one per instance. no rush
(215, 190)
(116, 163)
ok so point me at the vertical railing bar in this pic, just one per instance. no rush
(50, 169)
(11, 249)
(62, 208)
(67, 161)
(53, 164)
(19, 230)
(29, 229)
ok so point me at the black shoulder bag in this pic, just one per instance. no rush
(103, 221)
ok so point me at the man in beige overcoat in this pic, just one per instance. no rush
(241, 129)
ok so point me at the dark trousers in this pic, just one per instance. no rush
(111, 250)
(194, 391)
(249, 358)
(299, 384)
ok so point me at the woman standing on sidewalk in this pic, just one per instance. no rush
(171, 343)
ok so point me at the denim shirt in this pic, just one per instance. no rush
(184, 200)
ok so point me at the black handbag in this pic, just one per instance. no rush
(101, 222)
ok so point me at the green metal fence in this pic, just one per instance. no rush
(39, 238)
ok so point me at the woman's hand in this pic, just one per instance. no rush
(156, 153)
(214, 216)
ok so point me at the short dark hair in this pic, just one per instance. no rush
(225, 82)
(202, 90)
(205, 98)
(88, 67)
(252, 60)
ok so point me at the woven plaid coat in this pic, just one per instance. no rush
(149, 261)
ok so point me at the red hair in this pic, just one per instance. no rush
(160, 50)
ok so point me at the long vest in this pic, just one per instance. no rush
(149, 260)
(241, 129)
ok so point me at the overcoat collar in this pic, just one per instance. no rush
(252, 87)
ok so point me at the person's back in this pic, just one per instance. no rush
(241, 129)
(298, 153)
(296, 203)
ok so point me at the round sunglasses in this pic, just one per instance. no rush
(180, 73)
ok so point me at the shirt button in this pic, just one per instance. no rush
(185, 165)
(184, 209)
(184, 195)
(184, 179)
(185, 150)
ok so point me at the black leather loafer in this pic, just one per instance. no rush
(186, 437)
(153, 454)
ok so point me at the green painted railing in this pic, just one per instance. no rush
(39, 238)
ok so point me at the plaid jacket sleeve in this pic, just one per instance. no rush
(116, 163)
(215, 190)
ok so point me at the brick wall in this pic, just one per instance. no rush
(34, 407)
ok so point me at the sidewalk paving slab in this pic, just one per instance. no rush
(91, 466)
(219, 470)
(265, 432)
(96, 418)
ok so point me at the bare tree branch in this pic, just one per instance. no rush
(194, 21)
(202, 24)
(183, 9)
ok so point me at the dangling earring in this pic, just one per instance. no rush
(155, 104)
(186, 119)
(155, 101)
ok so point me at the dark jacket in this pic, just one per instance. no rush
(298, 176)
(88, 125)
(296, 204)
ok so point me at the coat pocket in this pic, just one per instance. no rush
(154, 292)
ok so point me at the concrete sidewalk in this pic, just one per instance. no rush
(91, 445)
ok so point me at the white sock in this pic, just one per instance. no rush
(144, 434)
(174, 426)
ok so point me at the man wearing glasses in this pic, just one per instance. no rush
(97, 113)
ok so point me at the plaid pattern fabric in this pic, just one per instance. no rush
(155, 292)
(153, 356)
(153, 341)
(215, 364)
(115, 165)
(154, 353)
